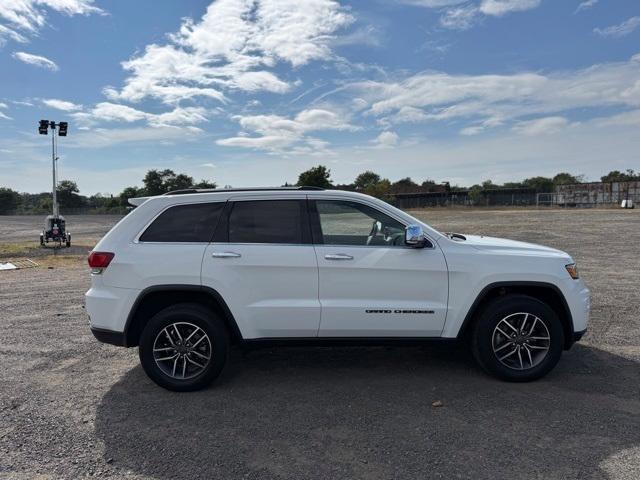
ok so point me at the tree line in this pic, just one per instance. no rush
(157, 182)
(373, 184)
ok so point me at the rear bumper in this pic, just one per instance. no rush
(108, 307)
(109, 336)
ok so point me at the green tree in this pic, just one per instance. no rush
(130, 192)
(68, 194)
(618, 176)
(512, 185)
(476, 195)
(178, 182)
(154, 182)
(366, 179)
(158, 182)
(404, 185)
(9, 201)
(381, 189)
(488, 185)
(319, 176)
(564, 178)
(429, 185)
(540, 184)
(205, 184)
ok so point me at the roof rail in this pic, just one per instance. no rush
(250, 189)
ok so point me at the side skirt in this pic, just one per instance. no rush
(347, 342)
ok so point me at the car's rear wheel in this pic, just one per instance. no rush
(184, 347)
(518, 338)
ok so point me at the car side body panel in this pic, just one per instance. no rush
(277, 291)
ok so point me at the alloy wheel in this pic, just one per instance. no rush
(182, 350)
(521, 341)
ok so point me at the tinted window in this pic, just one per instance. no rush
(184, 223)
(267, 221)
(353, 223)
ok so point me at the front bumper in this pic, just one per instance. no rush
(575, 337)
(109, 336)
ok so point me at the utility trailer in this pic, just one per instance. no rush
(55, 230)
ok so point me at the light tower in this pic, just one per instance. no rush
(62, 132)
(54, 225)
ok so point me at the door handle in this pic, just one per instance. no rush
(225, 255)
(338, 256)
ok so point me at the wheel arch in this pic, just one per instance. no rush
(153, 299)
(548, 293)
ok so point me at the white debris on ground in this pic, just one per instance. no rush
(17, 264)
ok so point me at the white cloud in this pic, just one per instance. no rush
(585, 5)
(368, 35)
(25, 17)
(498, 8)
(114, 112)
(488, 101)
(460, 18)
(105, 138)
(620, 30)
(181, 116)
(386, 139)
(276, 133)
(409, 114)
(8, 33)
(541, 126)
(61, 104)
(233, 46)
(432, 3)
(464, 14)
(36, 60)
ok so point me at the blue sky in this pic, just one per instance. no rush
(252, 92)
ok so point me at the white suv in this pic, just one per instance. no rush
(186, 274)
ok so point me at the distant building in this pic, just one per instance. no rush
(596, 193)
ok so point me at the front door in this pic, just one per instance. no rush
(371, 283)
(262, 262)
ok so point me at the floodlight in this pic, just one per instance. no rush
(62, 129)
(44, 126)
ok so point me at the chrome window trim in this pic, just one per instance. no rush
(241, 198)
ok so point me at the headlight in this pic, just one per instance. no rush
(572, 268)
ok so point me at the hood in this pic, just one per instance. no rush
(504, 245)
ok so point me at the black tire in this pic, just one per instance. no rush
(196, 315)
(482, 341)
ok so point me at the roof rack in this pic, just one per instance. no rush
(250, 189)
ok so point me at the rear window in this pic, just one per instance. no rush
(184, 223)
(267, 221)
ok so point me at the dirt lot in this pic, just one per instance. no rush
(71, 407)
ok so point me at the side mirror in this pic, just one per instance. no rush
(414, 237)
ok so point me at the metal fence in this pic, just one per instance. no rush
(489, 198)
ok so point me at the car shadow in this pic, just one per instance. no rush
(368, 412)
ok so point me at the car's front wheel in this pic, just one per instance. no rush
(184, 347)
(518, 338)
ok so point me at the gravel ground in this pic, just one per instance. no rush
(71, 407)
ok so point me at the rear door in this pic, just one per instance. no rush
(263, 263)
(371, 284)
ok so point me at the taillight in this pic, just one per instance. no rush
(98, 261)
